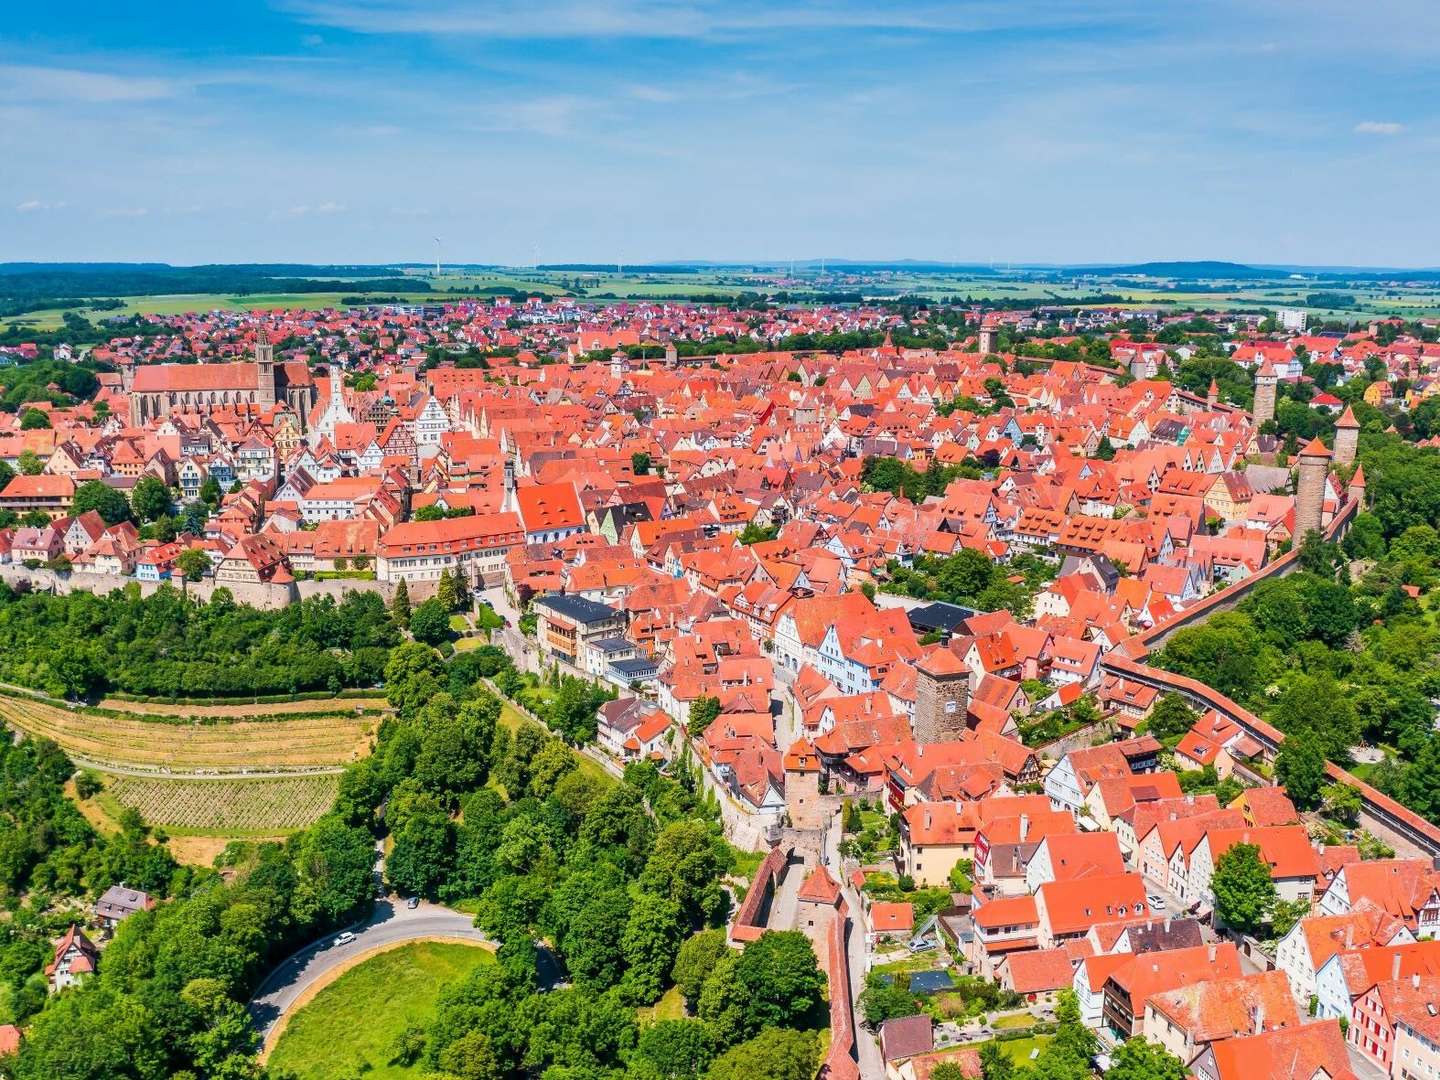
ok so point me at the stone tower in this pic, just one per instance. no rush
(942, 697)
(1310, 489)
(1212, 395)
(1347, 437)
(1356, 490)
(987, 340)
(802, 786)
(265, 373)
(1265, 383)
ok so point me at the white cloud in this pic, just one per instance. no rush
(329, 208)
(34, 83)
(30, 206)
(125, 212)
(1378, 127)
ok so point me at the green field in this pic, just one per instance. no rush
(1017, 287)
(353, 1022)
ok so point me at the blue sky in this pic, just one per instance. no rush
(601, 130)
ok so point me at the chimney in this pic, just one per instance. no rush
(1024, 825)
(1259, 1017)
(1415, 981)
(1350, 935)
(1212, 954)
(1395, 967)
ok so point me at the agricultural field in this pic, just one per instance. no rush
(219, 746)
(244, 710)
(231, 807)
(348, 1029)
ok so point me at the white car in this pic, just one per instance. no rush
(1157, 903)
(345, 939)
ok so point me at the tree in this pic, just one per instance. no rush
(995, 1064)
(1315, 709)
(695, 961)
(703, 711)
(193, 564)
(109, 502)
(30, 463)
(1244, 891)
(640, 463)
(885, 1000)
(445, 591)
(150, 498)
(652, 936)
(683, 866)
(33, 420)
(1139, 1059)
(775, 1054)
(1342, 802)
(210, 491)
(1171, 716)
(430, 622)
(400, 605)
(781, 979)
(679, 1049)
(1300, 768)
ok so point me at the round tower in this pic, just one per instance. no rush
(1310, 489)
(1347, 437)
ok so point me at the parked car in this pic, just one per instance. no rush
(413, 903)
(1157, 903)
(345, 938)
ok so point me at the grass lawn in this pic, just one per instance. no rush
(353, 1021)
(746, 862)
(1015, 1020)
(459, 623)
(671, 1006)
(1018, 1049)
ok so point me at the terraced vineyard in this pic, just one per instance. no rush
(227, 746)
(234, 807)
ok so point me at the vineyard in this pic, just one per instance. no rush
(215, 744)
(267, 805)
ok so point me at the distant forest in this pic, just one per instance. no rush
(32, 286)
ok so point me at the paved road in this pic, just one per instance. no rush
(392, 922)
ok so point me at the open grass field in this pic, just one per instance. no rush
(229, 808)
(352, 1023)
(305, 741)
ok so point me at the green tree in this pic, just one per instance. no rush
(109, 502)
(1139, 1059)
(30, 463)
(400, 605)
(640, 463)
(683, 867)
(695, 961)
(703, 711)
(430, 622)
(34, 419)
(884, 1000)
(1244, 891)
(150, 498)
(210, 491)
(1171, 716)
(775, 1054)
(650, 943)
(995, 1064)
(445, 591)
(781, 978)
(679, 1049)
(1300, 768)
(193, 563)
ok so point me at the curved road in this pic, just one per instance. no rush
(391, 922)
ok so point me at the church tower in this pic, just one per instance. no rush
(987, 340)
(942, 697)
(1310, 490)
(1347, 437)
(264, 373)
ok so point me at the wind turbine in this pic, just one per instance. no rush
(437, 256)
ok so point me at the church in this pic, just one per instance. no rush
(157, 390)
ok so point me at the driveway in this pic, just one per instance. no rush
(392, 922)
